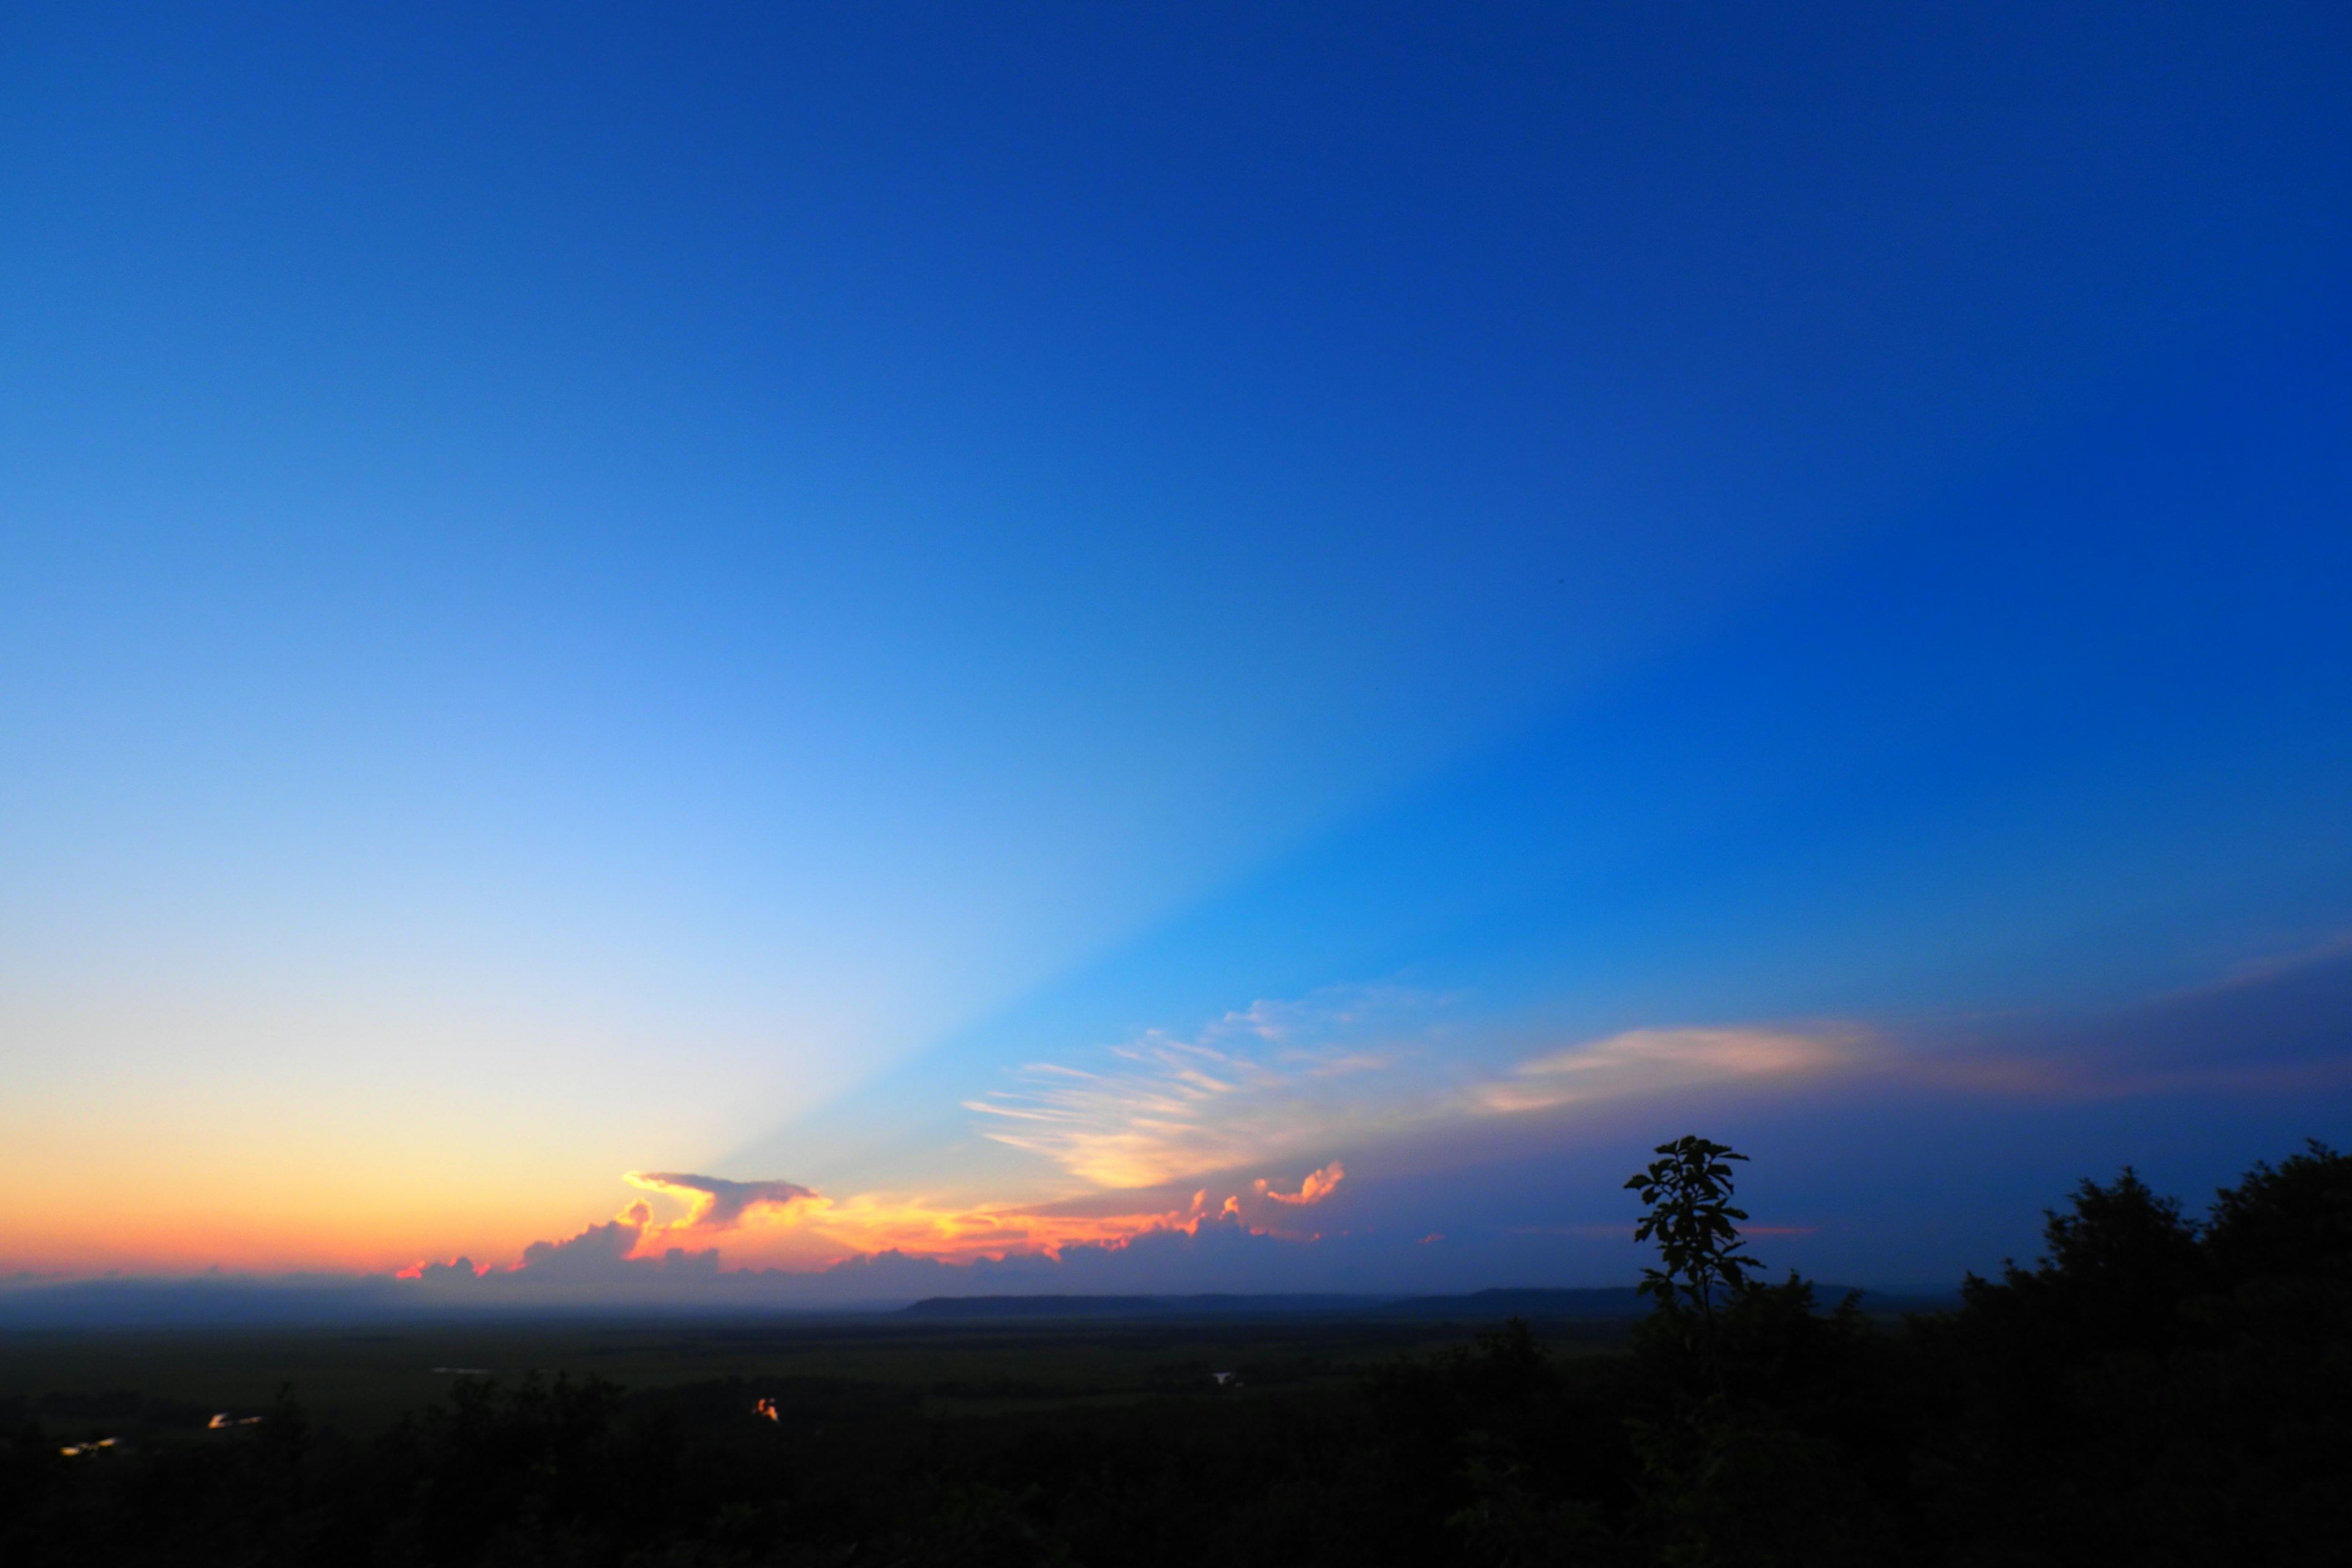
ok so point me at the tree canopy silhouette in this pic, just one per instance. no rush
(1688, 1192)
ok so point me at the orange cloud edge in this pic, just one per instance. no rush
(800, 1229)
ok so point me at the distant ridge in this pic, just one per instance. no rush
(1133, 1306)
(1620, 1301)
(291, 1301)
(1606, 1301)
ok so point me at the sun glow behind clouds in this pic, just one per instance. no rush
(1263, 1084)
(716, 1204)
(821, 1229)
(784, 1225)
(1340, 1069)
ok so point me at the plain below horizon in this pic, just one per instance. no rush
(228, 1304)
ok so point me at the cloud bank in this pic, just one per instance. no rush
(1214, 1154)
(1206, 1246)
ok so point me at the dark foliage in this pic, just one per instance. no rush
(2154, 1391)
(1688, 1193)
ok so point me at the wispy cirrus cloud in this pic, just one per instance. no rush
(1279, 1079)
(1648, 1060)
(1267, 1083)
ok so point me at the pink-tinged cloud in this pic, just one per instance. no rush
(1317, 1186)
(1347, 1070)
(625, 1254)
(1641, 1062)
(1275, 1081)
(772, 1222)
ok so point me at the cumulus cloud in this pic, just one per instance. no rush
(896, 1249)
(714, 1203)
(763, 1223)
(597, 1257)
(594, 1250)
(1217, 1250)
(1317, 1186)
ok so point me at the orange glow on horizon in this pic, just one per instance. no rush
(808, 1232)
(870, 1224)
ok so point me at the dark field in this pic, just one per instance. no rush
(892, 1439)
(159, 1386)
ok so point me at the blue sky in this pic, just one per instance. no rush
(705, 594)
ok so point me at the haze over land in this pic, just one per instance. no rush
(850, 655)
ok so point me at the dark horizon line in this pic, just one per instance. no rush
(146, 1304)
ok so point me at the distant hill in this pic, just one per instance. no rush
(1204, 1306)
(1617, 1302)
(286, 1300)
(1611, 1302)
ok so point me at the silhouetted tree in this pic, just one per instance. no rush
(2293, 1223)
(2114, 1275)
(1688, 1192)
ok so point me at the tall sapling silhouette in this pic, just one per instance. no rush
(1688, 1192)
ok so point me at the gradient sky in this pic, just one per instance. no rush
(978, 630)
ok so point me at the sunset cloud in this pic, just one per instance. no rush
(1648, 1060)
(633, 1251)
(715, 1203)
(1272, 1081)
(924, 1227)
(593, 1252)
(1277, 1080)
(1260, 1086)
(1317, 1186)
(771, 1222)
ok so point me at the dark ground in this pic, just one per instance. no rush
(153, 1384)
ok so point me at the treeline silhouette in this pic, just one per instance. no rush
(2157, 1389)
